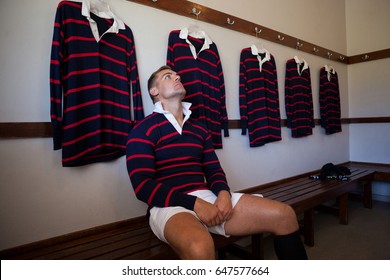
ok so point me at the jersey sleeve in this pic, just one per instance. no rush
(56, 80)
(288, 98)
(138, 111)
(214, 174)
(170, 54)
(242, 95)
(224, 116)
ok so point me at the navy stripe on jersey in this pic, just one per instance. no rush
(204, 83)
(259, 100)
(330, 109)
(164, 166)
(298, 100)
(90, 85)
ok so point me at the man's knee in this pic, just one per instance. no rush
(288, 220)
(200, 248)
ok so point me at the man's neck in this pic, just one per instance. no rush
(176, 109)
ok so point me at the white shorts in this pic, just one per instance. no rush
(159, 216)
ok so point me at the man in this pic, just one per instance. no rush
(174, 169)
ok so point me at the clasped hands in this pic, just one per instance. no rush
(217, 213)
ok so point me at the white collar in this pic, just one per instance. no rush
(256, 52)
(330, 70)
(298, 62)
(200, 34)
(102, 10)
(158, 108)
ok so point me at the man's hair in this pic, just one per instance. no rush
(152, 79)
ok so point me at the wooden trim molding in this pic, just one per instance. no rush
(236, 124)
(203, 13)
(369, 120)
(43, 129)
(369, 56)
(25, 130)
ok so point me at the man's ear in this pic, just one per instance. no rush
(153, 92)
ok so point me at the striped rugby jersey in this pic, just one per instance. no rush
(330, 109)
(197, 62)
(259, 97)
(91, 83)
(299, 98)
(164, 165)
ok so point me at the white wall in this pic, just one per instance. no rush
(40, 199)
(318, 22)
(369, 88)
(368, 25)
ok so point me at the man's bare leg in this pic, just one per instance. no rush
(189, 237)
(255, 214)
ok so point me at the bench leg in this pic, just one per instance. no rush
(257, 246)
(367, 194)
(308, 227)
(343, 209)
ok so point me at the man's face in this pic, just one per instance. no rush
(168, 85)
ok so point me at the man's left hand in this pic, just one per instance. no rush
(224, 204)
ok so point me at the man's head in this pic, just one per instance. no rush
(164, 82)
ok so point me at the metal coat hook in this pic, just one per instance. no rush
(195, 12)
(366, 57)
(257, 31)
(299, 45)
(280, 38)
(154, 1)
(342, 58)
(229, 21)
(315, 50)
(330, 55)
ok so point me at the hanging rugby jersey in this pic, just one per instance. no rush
(298, 98)
(330, 109)
(93, 73)
(259, 97)
(195, 57)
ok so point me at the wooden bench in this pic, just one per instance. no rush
(133, 239)
(129, 239)
(304, 195)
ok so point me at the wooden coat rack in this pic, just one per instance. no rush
(203, 13)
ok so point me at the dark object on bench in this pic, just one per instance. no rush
(331, 171)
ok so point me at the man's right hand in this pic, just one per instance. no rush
(208, 213)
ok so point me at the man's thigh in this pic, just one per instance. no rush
(183, 229)
(159, 216)
(254, 214)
